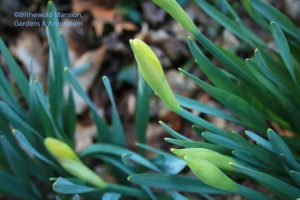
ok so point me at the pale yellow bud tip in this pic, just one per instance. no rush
(152, 71)
(59, 150)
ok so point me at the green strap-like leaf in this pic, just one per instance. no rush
(118, 151)
(272, 14)
(142, 114)
(278, 187)
(103, 130)
(284, 49)
(118, 136)
(173, 182)
(245, 112)
(282, 150)
(64, 186)
(9, 185)
(15, 160)
(26, 145)
(201, 107)
(15, 70)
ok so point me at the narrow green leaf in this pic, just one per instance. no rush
(118, 136)
(117, 151)
(46, 117)
(220, 140)
(111, 196)
(53, 29)
(201, 122)
(254, 15)
(64, 50)
(69, 115)
(27, 146)
(173, 182)
(173, 133)
(64, 186)
(214, 73)
(259, 140)
(193, 144)
(225, 57)
(9, 185)
(245, 112)
(278, 187)
(201, 107)
(167, 162)
(142, 114)
(249, 159)
(103, 130)
(295, 176)
(282, 150)
(6, 88)
(284, 49)
(272, 14)
(120, 166)
(16, 121)
(15, 70)
(177, 196)
(228, 23)
(15, 160)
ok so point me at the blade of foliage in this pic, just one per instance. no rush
(167, 162)
(15, 160)
(103, 130)
(173, 182)
(15, 70)
(282, 189)
(26, 145)
(142, 114)
(65, 186)
(283, 48)
(282, 150)
(117, 136)
(9, 185)
(173, 133)
(118, 151)
(201, 107)
(272, 14)
(247, 114)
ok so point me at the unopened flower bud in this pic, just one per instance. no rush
(221, 161)
(68, 159)
(210, 174)
(151, 70)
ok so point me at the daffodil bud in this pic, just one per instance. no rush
(68, 159)
(210, 174)
(175, 10)
(151, 70)
(221, 161)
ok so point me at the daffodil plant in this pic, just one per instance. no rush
(259, 89)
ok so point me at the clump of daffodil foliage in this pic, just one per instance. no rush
(261, 89)
(38, 160)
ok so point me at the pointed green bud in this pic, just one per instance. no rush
(151, 70)
(175, 10)
(210, 174)
(68, 159)
(221, 161)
